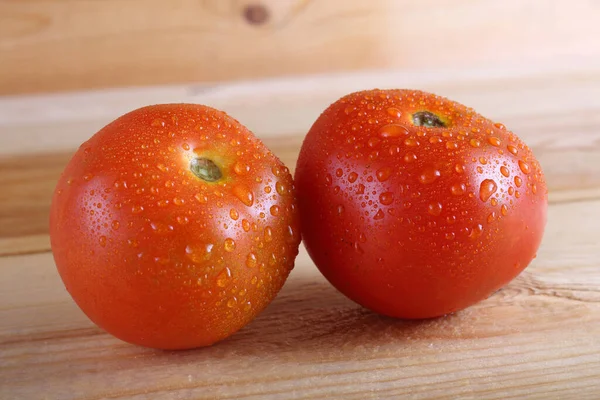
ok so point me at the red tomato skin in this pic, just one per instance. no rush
(159, 257)
(412, 221)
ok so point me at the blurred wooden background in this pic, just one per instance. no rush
(60, 45)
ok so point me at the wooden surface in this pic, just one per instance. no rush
(78, 44)
(537, 338)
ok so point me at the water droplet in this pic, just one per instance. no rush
(340, 209)
(479, 169)
(160, 228)
(102, 241)
(87, 177)
(137, 209)
(411, 142)
(494, 141)
(268, 234)
(281, 188)
(246, 225)
(518, 181)
(494, 202)
(201, 197)
(178, 201)
(517, 194)
(458, 189)
(459, 168)
(512, 149)
(435, 209)
(491, 217)
(483, 160)
(429, 175)
(223, 277)
(487, 188)
(383, 174)
(352, 176)
(524, 167)
(435, 139)
(393, 130)
(451, 145)
(386, 198)
(394, 112)
(274, 210)
(504, 209)
(233, 213)
(244, 195)
(475, 142)
(533, 188)
(450, 235)
(115, 225)
(229, 244)
(476, 231)
(504, 171)
(162, 203)
(410, 157)
(158, 122)
(251, 260)
(360, 189)
(241, 168)
(499, 125)
(379, 215)
(254, 280)
(182, 220)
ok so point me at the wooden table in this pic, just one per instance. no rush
(538, 338)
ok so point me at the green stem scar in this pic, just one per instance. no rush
(428, 119)
(205, 169)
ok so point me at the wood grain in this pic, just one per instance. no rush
(71, 44)
(537, 338)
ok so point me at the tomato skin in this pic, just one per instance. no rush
(413, 221)
(154, 254)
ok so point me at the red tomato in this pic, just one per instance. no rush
(415, 206)
(174, 226)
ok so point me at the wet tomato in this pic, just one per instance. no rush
(173, 226)
(415, 206)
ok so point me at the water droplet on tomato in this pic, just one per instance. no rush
(491, 217)
(512, 149)
(244, 195)
(379, 215)
(459, 168)
(392, 130)
(136, 209)
(182, 219)
(494, 141)
(458, 189)
(435, 209)
(483, 160)
(487, 188)
(518, 181)
(281, 188)
(233, 213)
(524, 167)
(394, 112)
(246, 225)
(268, 235)
(115, 225)
(102, 241)
(410, 157)
(240, 168)
(386, 198)
(475, 142)
(429, 175)
(229, 245)
(504, 171)
(504, 209)
(450, 235)
(274, 210)
(451, 145)
(224, 277)
(383, 174)
(352, 176)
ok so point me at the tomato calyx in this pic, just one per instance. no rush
(205, 169)
(428, 120)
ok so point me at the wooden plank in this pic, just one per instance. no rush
(70, 44)
(536, 338)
